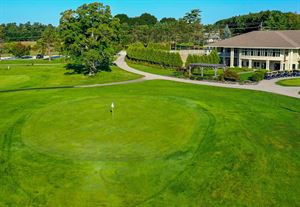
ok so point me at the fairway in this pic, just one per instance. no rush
(21, 75)
(168, 144)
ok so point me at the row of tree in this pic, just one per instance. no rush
(265, 20)
(154, 56)
(48, 42)
(146, 28)
(23, 32)
(212, 58)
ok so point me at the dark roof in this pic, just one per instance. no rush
(285, 39)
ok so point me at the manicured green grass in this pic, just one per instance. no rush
(289, 82)
(245, 76)
(52, 75)
(31, 62)
(168, 144)
(152, 69)
(245, 73)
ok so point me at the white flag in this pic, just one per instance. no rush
(112, 105)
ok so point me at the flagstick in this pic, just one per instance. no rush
(112, 110)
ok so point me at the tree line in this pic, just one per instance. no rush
(90, 35)
(23, 32)
(264, 20)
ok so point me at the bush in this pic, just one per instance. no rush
(212, 58)
(230, 75)
(154, 56)
(19, 50)
(258, 75)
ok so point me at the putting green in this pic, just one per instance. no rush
(141, 128)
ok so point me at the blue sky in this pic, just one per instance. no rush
(48, 11)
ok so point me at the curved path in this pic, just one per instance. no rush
(265, 85)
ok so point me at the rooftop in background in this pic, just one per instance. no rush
(281, 39)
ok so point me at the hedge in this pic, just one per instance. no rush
(258, 75)
(154, 56)
(159, 46)
(212, 58)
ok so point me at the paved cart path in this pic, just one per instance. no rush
(265, 85)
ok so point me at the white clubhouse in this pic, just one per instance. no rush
(270, 50)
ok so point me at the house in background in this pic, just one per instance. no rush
(270, 50)
(211, 37)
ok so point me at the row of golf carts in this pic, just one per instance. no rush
(281, 74)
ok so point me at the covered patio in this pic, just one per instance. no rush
(202, 66)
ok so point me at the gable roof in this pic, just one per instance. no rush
(285, 39)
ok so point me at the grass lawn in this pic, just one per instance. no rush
(27, 75)
(289, 82)
(152, 69)
(168, 144)
(244, 76)
(244, 73)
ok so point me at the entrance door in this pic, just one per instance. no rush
(276, 66)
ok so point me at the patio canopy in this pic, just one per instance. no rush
(205, 65)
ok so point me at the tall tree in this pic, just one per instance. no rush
(193, 17)
(227, 32)
(90, 34)
(147, 19)
(1, 40)
(19, 49)
(49, 41)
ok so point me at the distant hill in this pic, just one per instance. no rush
(266, 20)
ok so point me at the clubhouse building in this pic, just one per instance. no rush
(270, 50)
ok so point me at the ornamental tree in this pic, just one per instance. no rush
(89, 35)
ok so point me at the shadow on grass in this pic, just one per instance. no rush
(74, 68)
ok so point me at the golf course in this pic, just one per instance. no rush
(164, 143)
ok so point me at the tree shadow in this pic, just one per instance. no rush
(74, 68)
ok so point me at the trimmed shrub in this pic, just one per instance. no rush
(159, 46)
(258, 75)
(230, 75)
(153, 56)
(212, 58)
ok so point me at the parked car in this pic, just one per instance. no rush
(26, 57)
(39, 56)
(56, 57)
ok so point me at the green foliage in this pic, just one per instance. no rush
(230, 75)
(159, 46)
(154, 56)
(167, 20)
(143, 19)
(90, 35)
(212, 58)
(145, 29)
(23, 32)
(273, 20)
(49, 41)
(18, 49)
(1, 40)
(258, 75)
(227, 32)
(193, 17)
